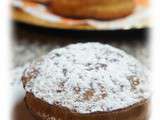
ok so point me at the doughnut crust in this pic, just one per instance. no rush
(44, 111)
(96, 9)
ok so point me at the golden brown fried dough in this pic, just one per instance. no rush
(97, 9)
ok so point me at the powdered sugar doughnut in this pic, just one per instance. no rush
(86, 79)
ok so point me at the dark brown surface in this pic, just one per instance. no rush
(39, 108)
(20, 112)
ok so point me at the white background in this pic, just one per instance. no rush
(4, 60)
(5, 56)
(155, 54)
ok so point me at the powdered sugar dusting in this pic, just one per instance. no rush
(88, 78)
